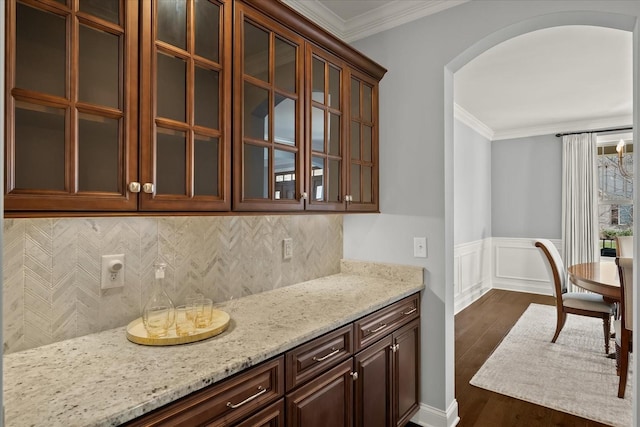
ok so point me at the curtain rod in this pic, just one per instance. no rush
(596, 131)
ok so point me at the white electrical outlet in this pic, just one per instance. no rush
(287, 248)
(112, 272)
(420, 247)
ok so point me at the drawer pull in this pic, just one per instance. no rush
(413, 310)
(334, 351)
(378, 329)
(261, 389)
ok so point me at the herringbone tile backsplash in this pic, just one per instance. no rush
(52, 266)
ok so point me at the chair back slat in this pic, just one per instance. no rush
(625, 272)
(624, 246)
(554, 265)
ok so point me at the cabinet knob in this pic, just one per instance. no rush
(354, 375)
(304, 195)
(148, 188)
(348, 198)
(134, 187)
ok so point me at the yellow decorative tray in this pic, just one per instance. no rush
(138, 334)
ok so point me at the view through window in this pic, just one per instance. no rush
(615, 191)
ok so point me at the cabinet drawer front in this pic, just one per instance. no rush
(308, 360)
(223, 403)
(376, 325)
(271, 416)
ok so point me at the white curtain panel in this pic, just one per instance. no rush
(580, 235)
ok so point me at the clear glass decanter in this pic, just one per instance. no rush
(158, 313)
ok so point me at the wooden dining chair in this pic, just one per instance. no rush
(580, 303)
(623, 326)
(624, 246)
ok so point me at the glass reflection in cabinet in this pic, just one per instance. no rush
(172, 22)
(171, 153)
(40, 51)
(98, 153)
(206, 173)
(109, 10)
(256, 112)
(256, 171)
(171, 87)
(284, 121)
(207, 89)
(334, 180)
(99, 62)
(285, 66)
(317, 179)
(256, 52)
(285, 175)
(39, 147)
(207, 30)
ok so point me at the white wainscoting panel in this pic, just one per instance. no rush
(472, 272)
(518, 266)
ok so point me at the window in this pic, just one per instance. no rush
(615, 190)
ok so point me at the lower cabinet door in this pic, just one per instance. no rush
(374, 385)
(326, 401)
(271, 416)
(406, 366)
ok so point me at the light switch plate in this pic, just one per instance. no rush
(420, 247)
(287, 248)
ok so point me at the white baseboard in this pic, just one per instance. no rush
(428, 416)
(464, 300)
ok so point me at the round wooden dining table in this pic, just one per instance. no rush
(599, 277)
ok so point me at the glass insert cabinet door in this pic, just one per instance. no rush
(268, 151)
(185, 105)
(363, 144)
(326, 130)
(72, 122)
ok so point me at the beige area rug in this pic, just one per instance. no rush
(573, 375)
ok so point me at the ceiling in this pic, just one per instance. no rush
(559, 79)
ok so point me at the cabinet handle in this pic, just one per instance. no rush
(354, 375)
(134, 187)
(261, 389)
(304, 196)
(413, 310)
(334, 351)
(378, 329)
(148, 188)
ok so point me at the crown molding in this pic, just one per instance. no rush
(568, 126)
(472, 121)
(395, 13)
(319, 14)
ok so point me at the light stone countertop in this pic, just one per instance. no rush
(103, 379)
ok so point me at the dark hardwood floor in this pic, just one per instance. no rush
(479, 329)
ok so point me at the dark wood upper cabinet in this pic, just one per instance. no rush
(326, 130)
(71, 105)
(185, 105)
(268, 113)
(363, 143)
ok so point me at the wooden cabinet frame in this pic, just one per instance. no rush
(137, 160)
(71, 199)
(150, 122)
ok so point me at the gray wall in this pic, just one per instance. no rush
(526, 185)
(472, 184)
(416, 149)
